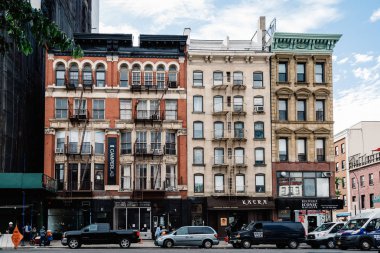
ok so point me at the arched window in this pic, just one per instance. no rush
(160, 76)
(74, 75)
(148, 75)
(136, 75)
(87, 75)
(259, 130)
(124, 76)
(100, 76)
(172, 76)
(60, 72)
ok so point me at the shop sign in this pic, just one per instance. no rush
(222, 203)
(112, 160)
(309, 204)
(254, 202)
(132, 204)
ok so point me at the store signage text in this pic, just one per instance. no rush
(248, 202)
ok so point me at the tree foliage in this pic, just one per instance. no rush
(18, 17)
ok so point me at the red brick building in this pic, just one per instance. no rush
(115, 132)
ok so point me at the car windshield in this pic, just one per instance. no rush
(324, 227)
(354, 224)
(249, 227)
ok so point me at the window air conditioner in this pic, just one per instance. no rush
(59, 151)
(172, 84)
(259, 108)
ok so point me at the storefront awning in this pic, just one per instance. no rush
(239, 203)
(344, 214)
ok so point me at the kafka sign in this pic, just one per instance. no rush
(112, 151)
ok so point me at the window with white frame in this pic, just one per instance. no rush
(73, 141)
(60, 142)
(80, 107)
(319, 72)
(160, 76)
(197, 103)
(74, 75)
(61, 108)
(170, 109)
(301, 150)
(198, 183)
(155, 142)
(148, 75)
(258, 104)
(218, 129)
(60, 72)
(238, 78)
(240, 183)
(198, 156)
(155, 176)
(218, 103)
(98, 109)
(141, 142)
(198, 78)
(218, 78)
(198, 130)
(136, 75)
(124, 76)
(99, 143)
(219, 183)
(125, 109)
(239, 156)
(218, 156)
(141, 177)
(126, 143)
(170, 144)
(171, 177)
(283, 149)
(238, 104)
(259, 156)
(258, 80)
(87, 75)
(260, 183)
(100, 75)
(126, 177)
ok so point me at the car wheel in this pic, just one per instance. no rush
(168, 244)
(365, 245)
(125, 243)
(315, 246)
(246, 244)
(292, 244)
(236, 245)
(73, 243)
(280, 246)
(207, 244)
(330, 244)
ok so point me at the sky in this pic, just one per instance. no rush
(356, 57)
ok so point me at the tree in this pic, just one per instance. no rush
(18, 17)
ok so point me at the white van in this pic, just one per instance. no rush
(324, 235)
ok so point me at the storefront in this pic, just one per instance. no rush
(223, 211)
(310, 212)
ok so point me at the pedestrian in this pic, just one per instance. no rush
(158, 232)
(42, 236)
(10, 228)
(33, 233)
(27, 229)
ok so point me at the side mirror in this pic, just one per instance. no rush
(86, 230)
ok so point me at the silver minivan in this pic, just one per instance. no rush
(202, 236)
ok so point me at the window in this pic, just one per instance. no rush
(160, 76)
(59, 175)
(238, 104)
(219, 183)
(362, 201)
(282, 71)
(136, 75)
(141, 142)
(218, 78)
(219, 156)
(238, 78)
(259, 130)
(155, 142)
(319, 73)
(361, 181)
(283, 109)
(126, 177)
(320, 110)
(148, 75)
(301, 110)
(260, 183)
(283, 149)
(74, 75)
(259, 156)
(126, 143)
(171, 109)
(170, 177)
(86, 146)
(342, 148)
(320, 150)
(345, 200)
(85, 176)
(258, 80)
(353, 183)
(353, 198)
(155, 177)
(218, 104)
(125, 109)
(99, 177)
(371, 203)
(197, 104)
(60, 142)
(87, 76)
(198, 130)
(141, 177)
(301, 149)
(198, 156)
(218, 130)
(239, 156)
(172, 75)
(98, 109)
(80, 107)
(73, 142)
(61, 107)
(198, 78)
(239, 130)
(240, 183)
(258, 104)
(370, 177)
(100, 76)
(344, 183)
(60, 73)
(301, 72)
(336, 150)
(99, 143)
(124, 76)
(170, 145)
(343, 165)
(198, 183)
(337, 167)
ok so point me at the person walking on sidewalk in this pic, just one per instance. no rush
(42, 236)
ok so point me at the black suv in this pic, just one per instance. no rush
(282, 234)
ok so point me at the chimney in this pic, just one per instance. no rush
(261, 31)
(187, 32)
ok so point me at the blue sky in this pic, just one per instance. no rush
(356, 56)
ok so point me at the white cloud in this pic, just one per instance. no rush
(375, 16)
(342, 61)
(359, 58)
(334, 58)
(362, 73)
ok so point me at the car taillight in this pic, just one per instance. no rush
(138, 233)
(216, 236)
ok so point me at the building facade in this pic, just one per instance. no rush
(229, 138)
(302, 127)
(115, 133)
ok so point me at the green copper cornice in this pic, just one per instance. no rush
(304, 42)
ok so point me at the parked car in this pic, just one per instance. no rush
(324, 235)
(356, 233)
(202, 236)
(100, 233)
(282, 234)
